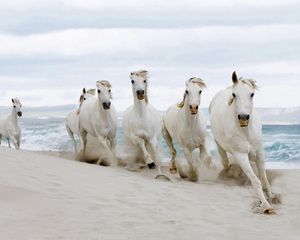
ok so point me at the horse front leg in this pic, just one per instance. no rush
(141, 143)
(108, 157)
(155, 153)
(193, 171)
(260, 162)
(169, 141)
(243, 161)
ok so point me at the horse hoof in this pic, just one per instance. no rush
(151, 165)
(162, 176)
(270, 211)
(173, 170)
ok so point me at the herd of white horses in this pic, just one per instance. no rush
(235, 125)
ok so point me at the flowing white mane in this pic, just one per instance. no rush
(104, 83)
(250, 82)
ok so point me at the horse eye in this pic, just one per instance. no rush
(14, 106)
(84, 98)
(200, 91)
(109, 90)
(144, 81)
(132, 81)
(233, 95)
(98, 91)
(186, 91)
(252, 95)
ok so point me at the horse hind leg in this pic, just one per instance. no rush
(223, 156)
(71, 135)
(83, 135)
(168, 139)
(205, 155)
(15, 142)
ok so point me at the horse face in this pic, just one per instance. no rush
(193, 97)
(243, 102)
(17, 106)
(139, 85)
(104, 96)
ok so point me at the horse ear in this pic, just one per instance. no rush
(12, 100)
(234, 78)
(83, 90)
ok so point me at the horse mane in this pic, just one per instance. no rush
(181, 104)
(142, 73)
(250, 82)
(104, 83)
(195, 80)
(198, 81)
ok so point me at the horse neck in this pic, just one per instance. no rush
(104, 113)
(140, 106)
(13, 116)
(190, 119)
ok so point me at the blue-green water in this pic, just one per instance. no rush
(281, 142)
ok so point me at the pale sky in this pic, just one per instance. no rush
(50, 50)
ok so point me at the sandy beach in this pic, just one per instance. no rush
(46, 197)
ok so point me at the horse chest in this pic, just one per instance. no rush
(191, 137)
(105, 128)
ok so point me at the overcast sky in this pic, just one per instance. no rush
(49, 50)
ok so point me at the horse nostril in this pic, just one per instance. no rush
(106, 105)
(140, 92)
(244, 117)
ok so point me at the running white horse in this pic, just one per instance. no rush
(9, 127)
(237, 130)
(98, 118)
(141, 125)
(185, 124)
(72, 119)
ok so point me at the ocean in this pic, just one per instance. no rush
(43, 129)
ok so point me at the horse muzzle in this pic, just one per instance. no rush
(194, 109)
(140, 94)
(244, 120)
(19, 114)
(106, 105)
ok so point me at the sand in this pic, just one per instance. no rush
(46, 197)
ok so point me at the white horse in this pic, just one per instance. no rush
(142, 125)
(9, 127)
(72, 119)
(237, 130)
(185, 124)
(98, 118)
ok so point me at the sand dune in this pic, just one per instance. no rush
(45, 197)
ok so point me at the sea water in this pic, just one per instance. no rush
(43, 129)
